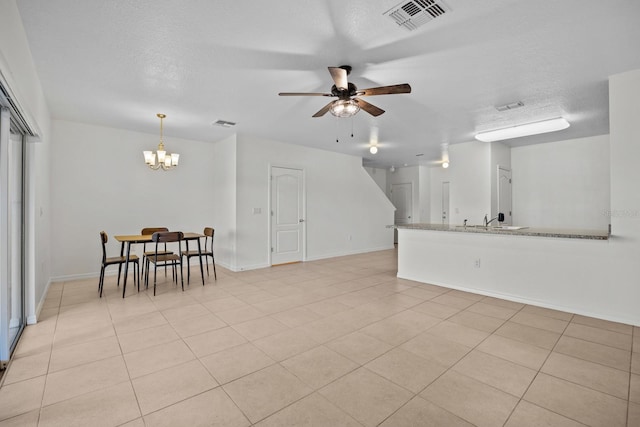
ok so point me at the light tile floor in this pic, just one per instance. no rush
(337, 342)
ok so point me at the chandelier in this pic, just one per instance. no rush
(166, 161)
(344, 108)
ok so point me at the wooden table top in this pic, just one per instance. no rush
(145, 238)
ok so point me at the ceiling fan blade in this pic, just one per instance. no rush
(339, 76)
(323, 110)
(304, 94)
(369, 108)
(386, 90)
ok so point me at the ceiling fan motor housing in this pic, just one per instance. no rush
(344, 93)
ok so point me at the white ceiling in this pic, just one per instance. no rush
(119, 62)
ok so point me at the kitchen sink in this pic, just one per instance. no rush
(494, 227)
(508, 227)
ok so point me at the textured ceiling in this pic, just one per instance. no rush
(119, 62)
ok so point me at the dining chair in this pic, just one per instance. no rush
(158, 258)
(207, 252)
(118, 260)
(146, 254)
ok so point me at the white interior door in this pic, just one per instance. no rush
(402, 199)
(504, 194)
(287, 222)
(445, 203)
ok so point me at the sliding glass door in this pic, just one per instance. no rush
(12, 295)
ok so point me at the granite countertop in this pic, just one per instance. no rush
(525, 231)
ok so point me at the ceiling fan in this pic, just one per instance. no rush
(348, 103)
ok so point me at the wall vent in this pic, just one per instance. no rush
(415, 13)
(224, 123)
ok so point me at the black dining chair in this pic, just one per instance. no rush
(146, 254)
(118, 260)
(160, 259)
(206, 253)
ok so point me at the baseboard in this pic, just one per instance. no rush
(346, 253)
(529, 301)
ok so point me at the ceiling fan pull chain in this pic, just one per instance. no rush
(337, 130)
(351, 126)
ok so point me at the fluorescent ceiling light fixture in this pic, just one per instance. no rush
(518, 131)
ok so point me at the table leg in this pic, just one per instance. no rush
(186, 242)
(200, 258)
(120, 265)
(126, 269)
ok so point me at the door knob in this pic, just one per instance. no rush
(301, 220)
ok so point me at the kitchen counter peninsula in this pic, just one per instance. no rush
(514, 231)
(566, 270)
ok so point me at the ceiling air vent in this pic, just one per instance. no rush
(510, 106)
(224, 123)
(415, 13)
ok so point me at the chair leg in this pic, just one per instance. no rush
(181, 274)
(146, 276)
(155, 270)
(207, 258)
(101, 281)
(119, 271)
(213, 261)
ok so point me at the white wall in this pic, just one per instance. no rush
(424, 187)
(469, 178)
(379, 175)
(222, 191)
(500, 156)
(18, 71)
(564, 184)
(99, 181)
(341, 202)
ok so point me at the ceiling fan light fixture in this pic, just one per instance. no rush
(344, 108)
(528, 129)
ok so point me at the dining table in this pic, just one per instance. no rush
(127, 240)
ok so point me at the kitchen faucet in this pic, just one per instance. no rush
(500, 218)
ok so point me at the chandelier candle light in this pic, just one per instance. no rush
(166, 161)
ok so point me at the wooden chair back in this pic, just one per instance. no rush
(151, 230)
(208, 234)
(167, 236)
(104, 239)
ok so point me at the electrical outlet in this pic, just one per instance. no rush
(477, 264)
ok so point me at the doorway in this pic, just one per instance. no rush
(504, 194)
(287, 215)
(402, 199)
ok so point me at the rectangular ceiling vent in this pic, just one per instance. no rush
(511, 106)
(224, 123)
(415, 13)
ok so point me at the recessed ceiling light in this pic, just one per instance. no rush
(373, 149)
(527, 129)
